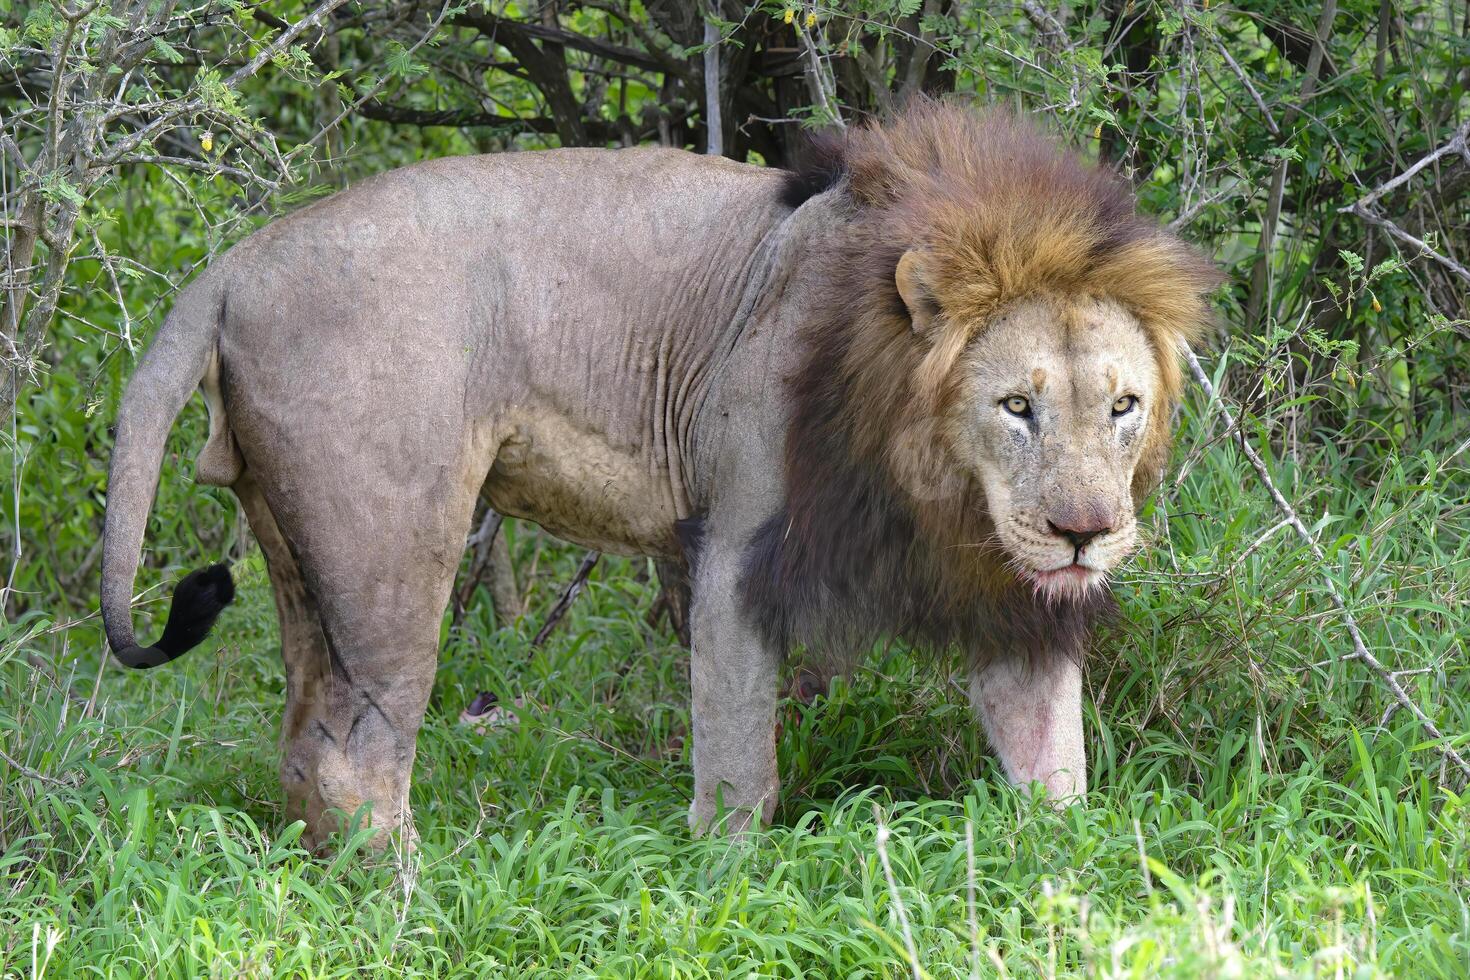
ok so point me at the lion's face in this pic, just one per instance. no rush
(1053, 402)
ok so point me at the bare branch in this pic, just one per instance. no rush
(1419, 244)
(1249, 85)
(496, 28)
(574, 589)
(1456, 144)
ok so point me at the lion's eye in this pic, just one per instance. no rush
(1124, 405)
(1018, 406)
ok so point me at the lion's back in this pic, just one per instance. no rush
(565, 198)
(585, 229)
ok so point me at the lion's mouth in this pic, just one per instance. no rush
(1072, 581)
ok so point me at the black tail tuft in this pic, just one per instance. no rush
(198, 600)
(820, 165)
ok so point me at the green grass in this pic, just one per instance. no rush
(1249, 816)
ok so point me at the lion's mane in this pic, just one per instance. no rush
(1003, 212)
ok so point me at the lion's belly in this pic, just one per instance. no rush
(578, 487)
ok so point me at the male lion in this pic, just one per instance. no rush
(917, 390)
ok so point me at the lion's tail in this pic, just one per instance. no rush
(175, 364)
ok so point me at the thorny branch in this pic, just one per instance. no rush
(1360, 650)
(281, 42)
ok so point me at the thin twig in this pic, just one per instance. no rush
(1458, 450)
(1240, 559)
(1424, 247)
(1456, 144)
(1249, 86)
(573, 590)
(1360, 649)
(818, 76)
(122, 306)
(1199, 204)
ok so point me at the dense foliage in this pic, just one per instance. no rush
(1264, 803)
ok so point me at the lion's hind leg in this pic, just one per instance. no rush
(361, 611)
(304, 652)
(377, 561)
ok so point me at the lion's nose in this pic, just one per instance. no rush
(1082, 526)
(1078, 536)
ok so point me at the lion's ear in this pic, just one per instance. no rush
(914, 287)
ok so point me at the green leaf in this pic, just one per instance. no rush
(58, 188)
(400, 62)
(167, 52)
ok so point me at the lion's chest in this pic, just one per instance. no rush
(573, 481)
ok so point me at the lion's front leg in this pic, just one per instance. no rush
(1032, 713)
(734, 680)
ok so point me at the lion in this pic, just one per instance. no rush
(916, 389)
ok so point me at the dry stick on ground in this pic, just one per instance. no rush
(1360, 649)
(568, 597)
